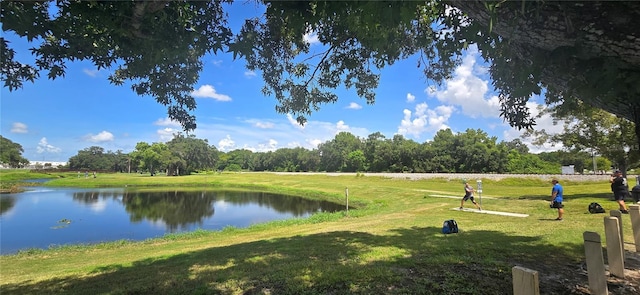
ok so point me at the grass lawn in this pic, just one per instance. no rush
(390, 242)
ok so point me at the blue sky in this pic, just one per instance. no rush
(53, 120)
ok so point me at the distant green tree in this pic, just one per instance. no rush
(262, 161)
(386, 158)
(93, 158)
(11, 153)
(241, 157)
(233, 167)
(498, 158)
(472, 150)
(223, 161)
(151, 156)
(404, 153)
(372, 152)
(586, 128)
(295, 159)
(286, 159)
(518, 145)
(424, 161)
(529, 164)
(334, 153)
(190, 154)
(355, 162)
(578, 159)
(309, 160)
(121, 162)
(602, 164)
(443, 145)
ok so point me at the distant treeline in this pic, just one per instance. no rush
(472, 151)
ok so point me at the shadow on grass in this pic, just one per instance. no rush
(417, 260)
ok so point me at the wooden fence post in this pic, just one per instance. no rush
(525, 281)
(346, 196)
(615, 256)
(634, 213)
(595, 263)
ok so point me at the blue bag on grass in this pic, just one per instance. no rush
(449, 227)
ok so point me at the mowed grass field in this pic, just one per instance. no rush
(389, 241)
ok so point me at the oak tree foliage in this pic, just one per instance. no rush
(11, 153)
(593, 130)
(570, 51)
(157, 46)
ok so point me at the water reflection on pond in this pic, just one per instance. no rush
(42, 217)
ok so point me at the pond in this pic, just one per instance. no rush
(43, 217)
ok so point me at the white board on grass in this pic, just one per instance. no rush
(491, 212)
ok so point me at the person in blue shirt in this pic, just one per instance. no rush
(556, 198)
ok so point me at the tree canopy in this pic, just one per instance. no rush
(11, 153)
(590, 129)
(569, 51)
(472, 151)
(156, 45)
(579, 52)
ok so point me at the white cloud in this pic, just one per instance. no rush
(44, 146)
(264, 125)
(293, 122)
(166, 134)
(545, 122)
(314, 142)
(467, 90)
(100, 137)
(341, 126)
(294, 144)
(311, 38)
(431, 90)
(216, 62)
(99, 206)
(207, 91)
(424, 120)
(327, 131)
(226, 144)
(470, 93)
(18, 127)
(90, 72)
(167, 122)
(354, 106)
(412, 126)
(411, 97)
(249, 74)
(284, 133)
(270, 145)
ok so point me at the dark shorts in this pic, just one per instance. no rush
(557, 205)
(468, 197)
(617, 196)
